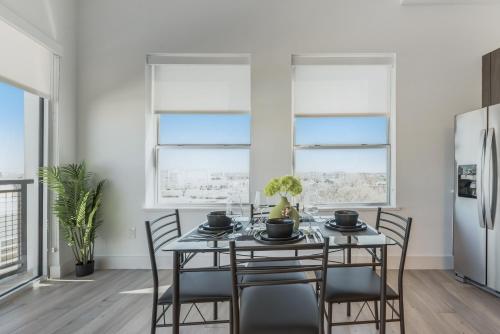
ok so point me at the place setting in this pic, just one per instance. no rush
(219, 225)
(346, 221)
(278, 231)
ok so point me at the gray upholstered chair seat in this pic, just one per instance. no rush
(354, 284)
(274, 277)
(200, 287)
(286, 309)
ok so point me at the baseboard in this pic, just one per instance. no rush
(205, 259)
(62, 270)
(429, 262)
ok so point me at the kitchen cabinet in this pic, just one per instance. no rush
(491, 78)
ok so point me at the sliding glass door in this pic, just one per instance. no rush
(22, 124)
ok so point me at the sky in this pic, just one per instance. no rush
(235, 129)
(205, 129)
(11, 129)
(224, 129)
(341, 130)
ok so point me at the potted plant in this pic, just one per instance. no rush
(77, 203)
(284, 186)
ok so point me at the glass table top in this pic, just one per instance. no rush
(193, 241)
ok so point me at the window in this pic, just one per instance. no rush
(11, 131)
(202, 109)
(21, 155)
(342, 128)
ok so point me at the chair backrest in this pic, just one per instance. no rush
(159, 232)
(239, 269)
(255, 212)
(397, 228)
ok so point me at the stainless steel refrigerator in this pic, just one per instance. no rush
(476, 214)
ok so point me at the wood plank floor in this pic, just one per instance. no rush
(119, 301)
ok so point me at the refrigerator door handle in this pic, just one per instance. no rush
(490, 192)
(479, 180)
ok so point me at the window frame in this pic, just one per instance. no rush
(159, 147)
(391, 130)
(153, 145)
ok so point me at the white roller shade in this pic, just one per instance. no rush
(342, 85)
(202, 86)
(25, 62)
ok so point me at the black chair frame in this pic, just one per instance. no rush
(159, 233)
(239, 270)
(398, 229)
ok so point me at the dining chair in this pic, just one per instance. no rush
(362, 284)
(265, 303)
(195, 287)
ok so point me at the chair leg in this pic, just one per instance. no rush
(348, 309)
(375, 307)
(153, 318)
(231, 322)
(401, 315)
(329, 319)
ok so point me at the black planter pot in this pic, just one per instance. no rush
(84, 269)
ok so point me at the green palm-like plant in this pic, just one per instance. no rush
(77, 202)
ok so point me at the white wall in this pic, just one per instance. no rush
(55, 21)
(438, 51)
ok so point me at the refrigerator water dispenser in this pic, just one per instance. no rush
(467, 181)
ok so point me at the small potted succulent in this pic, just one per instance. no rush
(285, 186)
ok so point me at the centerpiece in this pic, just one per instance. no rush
(284, 186)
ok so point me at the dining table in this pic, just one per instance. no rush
(193, 242)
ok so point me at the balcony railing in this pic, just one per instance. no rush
(13, 226)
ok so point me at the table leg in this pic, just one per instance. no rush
(383, 289)
(175, 295)
(349, 260)
(216, 264)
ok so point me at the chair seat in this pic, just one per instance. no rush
(201, 287)
(276, 309)
(354, 284)
(274, 277)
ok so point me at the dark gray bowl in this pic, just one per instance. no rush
(346, 217)
(279, 228)
(218, 219)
